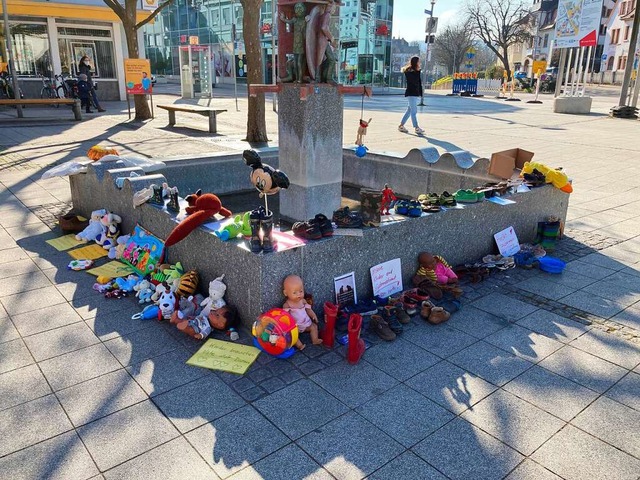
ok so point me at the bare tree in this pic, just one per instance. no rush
(500, 24)
(485, 57)
(127, 14)
(256, 124)
(451, 46)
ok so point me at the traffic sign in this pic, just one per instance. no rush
(432, 25)
(604, 57)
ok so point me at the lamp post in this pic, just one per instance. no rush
(426, 53)
(11, 63)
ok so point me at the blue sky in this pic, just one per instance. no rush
(409, 18)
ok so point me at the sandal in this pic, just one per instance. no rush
(402, 207)
(447, 200)
(415, 209)
(467, 196)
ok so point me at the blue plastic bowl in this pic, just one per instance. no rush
(551, 265)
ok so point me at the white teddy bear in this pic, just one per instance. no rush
(94, 228)
(111, 223)
(214, 301)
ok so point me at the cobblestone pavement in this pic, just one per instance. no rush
(536, 377)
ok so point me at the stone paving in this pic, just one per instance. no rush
(537, 377)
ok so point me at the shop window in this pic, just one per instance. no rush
(31, 53)
(74, 43)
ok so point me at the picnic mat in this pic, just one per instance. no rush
(225, 356)
(90, 252)
(65, 242)
(112, 269)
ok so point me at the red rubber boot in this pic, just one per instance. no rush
(356, 344)
(330, 314)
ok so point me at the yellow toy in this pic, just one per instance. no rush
(555, 177)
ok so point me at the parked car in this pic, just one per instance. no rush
(549, 74)
(520, 75)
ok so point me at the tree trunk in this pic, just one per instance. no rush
(142, 110)
(505, 62)
(256, 125)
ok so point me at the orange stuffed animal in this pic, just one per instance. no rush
(205, 206)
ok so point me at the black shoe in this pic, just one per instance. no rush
(307, 230)
(157, 198)
(323, 223)
(345, 218)
(266, 223)
(388, 314)
(88, 111)
(101, 110)
(254, 221)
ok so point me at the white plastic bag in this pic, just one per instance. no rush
(130, 160)
(67, 168)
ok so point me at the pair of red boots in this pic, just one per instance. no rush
(356, 345)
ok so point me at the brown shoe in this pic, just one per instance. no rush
(425, 309)
(402, 316)
(438, 315)
(70, 223)
(381, 328)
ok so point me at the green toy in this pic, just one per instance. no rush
(239, 226)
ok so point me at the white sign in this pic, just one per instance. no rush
(387, 278)
(345, 286)
(149, 4)
(507, 242)
(577, 23)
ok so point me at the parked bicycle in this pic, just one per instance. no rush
(6, 86)
(48, 90)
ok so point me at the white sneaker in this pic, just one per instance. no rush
(419, 131)
(403, 129)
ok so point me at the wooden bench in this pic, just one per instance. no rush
(198, 109)
(75, 103)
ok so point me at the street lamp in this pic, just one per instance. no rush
(426, 52)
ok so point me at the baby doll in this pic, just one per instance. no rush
(436, 269)
(300, 310)
(362, 131)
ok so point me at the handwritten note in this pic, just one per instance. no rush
(64, 243)
(90, 252)
(225, 356)
(387, 278)
(507, 242)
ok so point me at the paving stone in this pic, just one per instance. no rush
(287, 463)
(588, 270)
(291, 377)
(545, 288)
(570, 279)
(104, 308)
(354, 384)
(75, 367)
(126, 434)
(22, 385)
(259, 374)
(594, 304)
(230, 443)
(272, 384)
(600, 260)
(108, 325)
(553, 326)
(32, 300)
(408, 416)
(629, 317)
(330, 358)
(583, 368)
(244, 383)
(504, 307)
(23, 283)
(476, 322)
(14, 354)
(7, 331)
(324, 407)
(168, 462)
(19, 267)
(13, 255)
(100, 397)
(253, 394)
(30, 423)
(354, 455)
(530, 470)
(60, 340)
(524, 343)
(626, 391)
(165, 372)
(400, 359)
(46, 460)
(56, 316)
(311, 367)
(609, 347)
(491, 363)
(462, 451)
(622, 291)
(576, 455)
(141, 345)
(199, 402)
(408, 465)
(613, 423)
(441, 340)
(514, 421)
(552, 393)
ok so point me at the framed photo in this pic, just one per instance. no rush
(79, 50)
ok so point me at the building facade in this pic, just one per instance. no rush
(617, 38)
(50, 37)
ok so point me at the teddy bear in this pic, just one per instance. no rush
(116, 251)
(108, 238)
(94, 228)
(214, 301)
(188, 308)
(128, 284)
(143, 291)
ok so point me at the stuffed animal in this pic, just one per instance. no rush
(188, 308)
(173, 273)
(188, 284)
(94, 228)
(143, 291)
(204, 208)
(167, 303)
(239, 226)
(111, 223)
(362, 131)
(214, 301)
(161, 287)
(116, 251)
(128, 284)
(556, 177)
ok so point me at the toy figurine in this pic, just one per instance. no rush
(299, 23)
(362, 131)
(388, 197)
(300, 310)
(437, 272)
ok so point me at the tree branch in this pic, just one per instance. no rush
(153, 15)
(117, 8)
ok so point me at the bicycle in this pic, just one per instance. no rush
(48, 90)
(6, 87)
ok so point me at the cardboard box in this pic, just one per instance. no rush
(503, 163)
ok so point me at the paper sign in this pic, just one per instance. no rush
(137, 76)
(90, 252)
(387, 278)
(507, 242)
(65, 242)
(345, 287)
(225, 356)
(113, 269)
(500, 201)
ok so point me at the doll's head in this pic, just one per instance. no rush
(293, 288)
(299, 9)
(427, 260)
